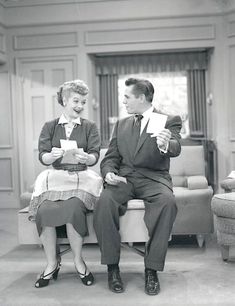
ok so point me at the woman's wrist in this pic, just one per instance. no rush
(48, 158)
(91, 160)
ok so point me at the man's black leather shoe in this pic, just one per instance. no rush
(115, 281)
(152, 285)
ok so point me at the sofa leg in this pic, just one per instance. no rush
(131, 247)
(225, 252)
(200, 240)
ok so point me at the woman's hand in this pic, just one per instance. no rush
(82, 157)
(57, 152)
(85, 158)
(49, 158)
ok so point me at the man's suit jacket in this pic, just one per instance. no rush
(146, 158)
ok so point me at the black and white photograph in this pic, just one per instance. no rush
(117, 153)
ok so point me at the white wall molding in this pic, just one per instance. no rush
(158, 34)
(39, 12)
(6, 178)
(45, 41)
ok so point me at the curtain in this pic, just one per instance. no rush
(140, 63)
(109, 67)
(197, 103)
(108, 85)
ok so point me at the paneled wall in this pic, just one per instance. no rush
(231, 87)
(48, 42)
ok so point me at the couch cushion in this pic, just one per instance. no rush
(135, 204)
(190, 162)
(197, 182)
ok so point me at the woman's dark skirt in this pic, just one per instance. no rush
(58, 213)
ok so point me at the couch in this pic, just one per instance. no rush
(193, 199)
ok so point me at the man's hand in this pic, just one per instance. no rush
(110, 178)
(163, 139)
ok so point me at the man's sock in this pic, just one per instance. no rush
(148, 269)
(113, 267)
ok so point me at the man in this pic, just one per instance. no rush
(143, 163)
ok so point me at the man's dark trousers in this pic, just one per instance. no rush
(160, 213)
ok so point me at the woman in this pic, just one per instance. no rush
(64, 193)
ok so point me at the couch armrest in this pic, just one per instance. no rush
(228, 184)
(197, 182)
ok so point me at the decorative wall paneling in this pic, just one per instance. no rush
(40, 80)
(231, 89)
(232, 158)
(231, 29)
(3, 58)
(8, 171)
(5, 114)
(161, 34)
(6, 177)
(45, 41)
(232, 92)
(41, 12)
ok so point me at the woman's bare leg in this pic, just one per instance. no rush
(48, 238)
(76, 242)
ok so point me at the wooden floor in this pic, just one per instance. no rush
(192, 276)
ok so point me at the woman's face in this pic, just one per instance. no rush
(74, 104)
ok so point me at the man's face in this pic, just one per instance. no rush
(131, 102)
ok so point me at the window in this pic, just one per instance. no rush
(170, 94)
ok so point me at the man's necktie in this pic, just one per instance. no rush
(138, 119)
(136, 130)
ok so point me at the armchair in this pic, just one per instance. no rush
(223, 207)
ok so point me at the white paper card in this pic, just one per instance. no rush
(156, 123)
(120, 179)
(68, 144)
(69, 156)
(232, 174)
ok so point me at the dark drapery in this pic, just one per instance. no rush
(144, 63)
(197, 103)
(108, 105)
(109, 67)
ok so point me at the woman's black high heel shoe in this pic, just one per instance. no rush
(87, 279)
(43, 282)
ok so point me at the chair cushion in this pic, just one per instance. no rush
(223, 205)
(197, 182)
(135, 204)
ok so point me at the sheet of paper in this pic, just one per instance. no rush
(69, 154)
(232, 174)
(156, 123)
(69, 157)
(68, 144)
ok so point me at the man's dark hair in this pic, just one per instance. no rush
(141, 86)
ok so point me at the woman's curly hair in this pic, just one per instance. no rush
(77, 86)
